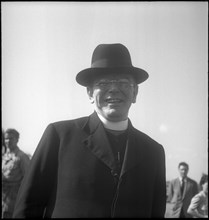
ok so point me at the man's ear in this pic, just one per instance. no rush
(135, 92)
(90, 94)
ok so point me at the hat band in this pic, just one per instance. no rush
(105, 63)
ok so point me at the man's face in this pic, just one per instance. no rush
(113, 95)
(10, 141)
(183, 170)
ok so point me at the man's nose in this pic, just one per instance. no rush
(113, 86)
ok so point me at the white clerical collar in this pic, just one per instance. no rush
(117, 126)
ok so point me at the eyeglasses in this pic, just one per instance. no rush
(121, 84)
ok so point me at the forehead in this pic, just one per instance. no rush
(113, 76)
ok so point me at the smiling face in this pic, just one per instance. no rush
(113, 95)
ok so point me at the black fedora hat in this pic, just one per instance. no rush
(110, 59)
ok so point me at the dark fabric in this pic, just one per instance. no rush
(118, 141)
(182, 214)
(9, 194)
(182, 187)
(70, 175)
(14, 166)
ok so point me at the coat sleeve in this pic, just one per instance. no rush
(195, 189)
(170, 192)
(37, 184)
(159, 199)
(195, 207)
(194, 202)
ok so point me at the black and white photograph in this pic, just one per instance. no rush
(104, 109)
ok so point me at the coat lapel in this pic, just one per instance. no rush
(98, 144)
(97, 141)
(133, 153)
(185, 188)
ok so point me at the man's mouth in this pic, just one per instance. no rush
(113, 100)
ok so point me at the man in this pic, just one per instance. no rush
(181, 191)
(14, 165)
(98, 166)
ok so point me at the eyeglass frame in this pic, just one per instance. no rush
(120, 84)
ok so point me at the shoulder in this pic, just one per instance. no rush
(174, 181)
(148, 141)
(197, 198)
(73, 122)
(22, 154)
(66, 125)
(191, 181)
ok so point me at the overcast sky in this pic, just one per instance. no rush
(45, 44)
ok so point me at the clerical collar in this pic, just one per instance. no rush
(117, 126)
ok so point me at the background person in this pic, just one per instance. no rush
(180, 192)
(199, 205)
(14, 165)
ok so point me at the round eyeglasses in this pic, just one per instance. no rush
(121, 84)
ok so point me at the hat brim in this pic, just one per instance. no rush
(87, 76)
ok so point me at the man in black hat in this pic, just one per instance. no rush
(98, 166)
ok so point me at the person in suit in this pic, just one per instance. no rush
(198, 207)
(180, 192)
(98, 166)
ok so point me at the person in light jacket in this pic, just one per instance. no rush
(98, 166)
(15, 163)
(198, 207)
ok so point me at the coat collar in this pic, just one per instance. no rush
(133, 153)
(97, 141)
(98, 144)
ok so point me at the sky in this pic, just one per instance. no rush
(45, 44)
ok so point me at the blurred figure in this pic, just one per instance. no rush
(3, 150)
(3, 146)
(180, 192)
(14, 165)
(199, 205)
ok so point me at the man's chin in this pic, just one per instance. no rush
(115, 115)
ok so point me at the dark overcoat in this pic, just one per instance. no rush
(72, 175)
